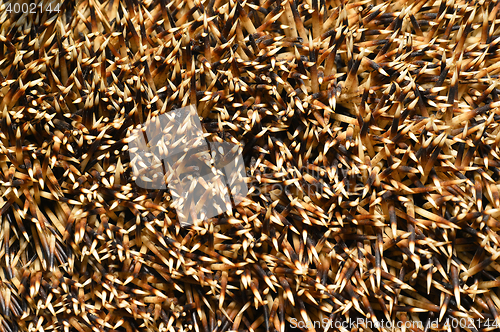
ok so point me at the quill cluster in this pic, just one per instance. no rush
(371, 141)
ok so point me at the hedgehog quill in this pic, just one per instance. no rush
(370, 139)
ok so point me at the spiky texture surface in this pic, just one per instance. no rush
(371, 134)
